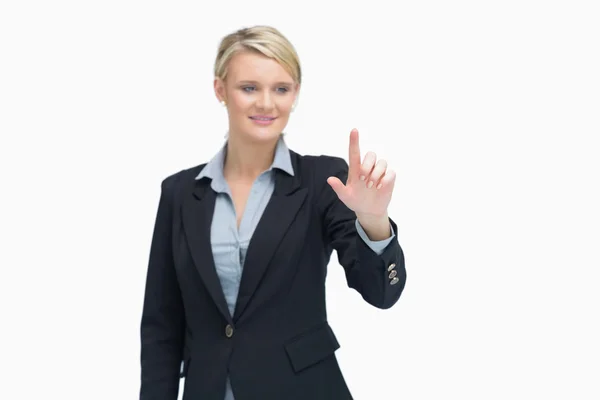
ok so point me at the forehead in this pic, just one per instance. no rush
(248, 66)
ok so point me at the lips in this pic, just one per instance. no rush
(262, 118)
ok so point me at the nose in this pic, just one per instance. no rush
(265, 101)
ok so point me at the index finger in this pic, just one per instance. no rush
(354, 153)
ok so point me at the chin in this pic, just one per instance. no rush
(266, 134)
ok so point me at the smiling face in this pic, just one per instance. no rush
(259, 94)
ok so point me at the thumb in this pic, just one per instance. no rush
(337, 186)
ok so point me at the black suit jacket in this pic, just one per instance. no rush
(278, 344)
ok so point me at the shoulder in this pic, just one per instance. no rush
(319, 166)
(175, 182)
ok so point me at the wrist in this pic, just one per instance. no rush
(377, 227)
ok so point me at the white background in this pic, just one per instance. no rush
(488, 111)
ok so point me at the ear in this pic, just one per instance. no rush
(219, 85)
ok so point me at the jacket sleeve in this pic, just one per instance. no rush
(378, 276)
(163, 324)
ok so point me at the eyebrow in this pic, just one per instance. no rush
(276, 83)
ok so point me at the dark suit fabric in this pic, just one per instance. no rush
(282, 346)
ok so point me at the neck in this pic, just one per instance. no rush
(246, 160)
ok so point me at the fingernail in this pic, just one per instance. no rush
(379, 186)
(370, 184)
(362, 177)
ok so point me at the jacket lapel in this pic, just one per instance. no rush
(286, 201)
(197, 210)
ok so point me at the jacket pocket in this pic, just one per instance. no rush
(311, 347)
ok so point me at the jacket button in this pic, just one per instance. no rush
(394, 281)
(392, 274)
(392, 266)
(229, 331)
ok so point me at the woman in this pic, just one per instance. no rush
(235, 291)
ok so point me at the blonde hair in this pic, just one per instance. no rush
(261, 39)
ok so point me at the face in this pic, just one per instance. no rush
(259, 94)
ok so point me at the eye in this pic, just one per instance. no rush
(283, 90)
(248, 88)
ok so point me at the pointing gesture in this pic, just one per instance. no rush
(369, 187)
